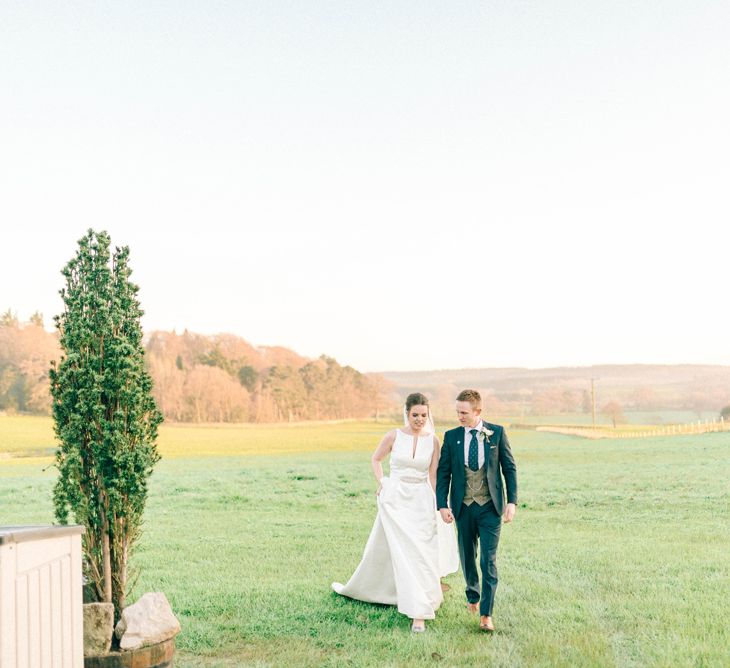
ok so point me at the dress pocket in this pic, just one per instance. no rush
(384, 486)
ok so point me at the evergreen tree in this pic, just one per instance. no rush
(9, 319)
(104, 415)
(248, 377)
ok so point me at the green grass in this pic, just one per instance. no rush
(634, 419)
(619, 555)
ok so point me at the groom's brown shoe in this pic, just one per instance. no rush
(472, 607)
(486, 624)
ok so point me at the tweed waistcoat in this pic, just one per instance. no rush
(476, 489)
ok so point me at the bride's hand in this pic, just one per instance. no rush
(446, 515)
(380, 487)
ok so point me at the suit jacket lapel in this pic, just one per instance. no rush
(460, 448)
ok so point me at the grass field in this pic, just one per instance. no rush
(619, 555)
(633, 419)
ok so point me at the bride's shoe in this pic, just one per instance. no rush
(418, 628)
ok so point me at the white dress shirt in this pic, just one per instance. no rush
(467, 440)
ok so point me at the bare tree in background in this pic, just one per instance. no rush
(615, 412)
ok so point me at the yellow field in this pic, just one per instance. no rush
(23, 439)
(28, 438)
(31, 438)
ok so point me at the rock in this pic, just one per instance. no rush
(146, 622)
(98, 628)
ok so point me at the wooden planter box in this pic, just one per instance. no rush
(160, 655)
(41, 617)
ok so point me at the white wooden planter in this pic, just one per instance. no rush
(41, 617)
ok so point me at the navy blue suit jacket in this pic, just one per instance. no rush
(497, 458)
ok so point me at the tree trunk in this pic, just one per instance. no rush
(107, 562)
(122, 593)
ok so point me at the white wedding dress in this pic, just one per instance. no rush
(410, 548)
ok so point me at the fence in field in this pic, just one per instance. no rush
(699, 427)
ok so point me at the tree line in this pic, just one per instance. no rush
(200, 378)
(224, 378)
(26, 350)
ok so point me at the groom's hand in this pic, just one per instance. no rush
(509, 512)
(446, 515)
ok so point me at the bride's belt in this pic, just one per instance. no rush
(411, 479)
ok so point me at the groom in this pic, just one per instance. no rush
(472, 457)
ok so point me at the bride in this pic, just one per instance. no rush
(410, 547)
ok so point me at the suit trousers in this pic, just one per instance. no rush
(482, 524)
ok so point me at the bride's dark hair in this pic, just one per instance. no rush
(415, 399)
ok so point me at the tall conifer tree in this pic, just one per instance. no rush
(104, 414)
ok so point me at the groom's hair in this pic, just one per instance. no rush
(472, 396)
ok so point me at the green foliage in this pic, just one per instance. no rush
(9, 319)
(104, 414)
(216, 358)
(12, 389)
(321, 389)
(725, 413)
(286, 388)
(248, 376)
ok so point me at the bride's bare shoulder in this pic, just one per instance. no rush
(390, 436)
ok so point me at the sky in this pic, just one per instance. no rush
(399, 185)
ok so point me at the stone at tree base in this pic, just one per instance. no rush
(98, 628)
(146, 622)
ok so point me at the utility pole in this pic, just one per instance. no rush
(593, 401)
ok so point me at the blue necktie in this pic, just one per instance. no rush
(474, 451)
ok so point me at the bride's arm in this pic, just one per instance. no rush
(381, 452)
(434, 462)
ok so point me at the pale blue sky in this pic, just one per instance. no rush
(364, 178)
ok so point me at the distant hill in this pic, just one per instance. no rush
(197, 378)
(567, 389)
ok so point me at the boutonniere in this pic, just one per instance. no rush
(485, 433)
